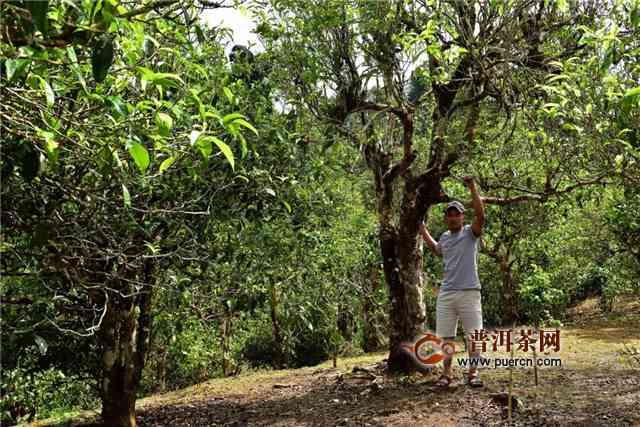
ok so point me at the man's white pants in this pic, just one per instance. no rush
(452, 305)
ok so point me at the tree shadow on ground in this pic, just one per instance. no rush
(567, 397)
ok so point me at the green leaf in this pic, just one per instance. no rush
(51, 145)
(558, 77)
(635, 15)
(116, 157)
(571, 127)
(238, 119)
(418, 86)
(102, 58)
(140, 156)
(243, 146)
(149, 45)
(38, 9)
(96, 7)
(287, 205)
(246, 124)
(210, 115)
(15, 67)
(563, 6)
(118, 105)
(201, 39)
(229, 94)
(51, 98)
(629, 97)
(71, 53)
(226, 150)
(164, 123)
(632, 93)
(231, 117)
(126, 197)
(195, 96)
(37, 82)
(105, 15)
(168, 80)
(160, 79)
(166, 163)
(204, 144)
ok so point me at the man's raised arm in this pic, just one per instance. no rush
(478, 206)
(433, 245)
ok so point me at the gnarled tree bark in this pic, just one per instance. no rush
(124, 339)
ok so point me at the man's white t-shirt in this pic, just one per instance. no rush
(460, 255)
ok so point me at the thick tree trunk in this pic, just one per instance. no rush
(117, 338)
(406, 309)
(345, 321)
(225, 334)
(370, 330)
(401, 249)
(400, 244)
(401, 328)
(124, 339)
(162, 368)
(275, 327)
(405, 284)
(510, 314)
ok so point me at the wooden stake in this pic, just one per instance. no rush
(510, 399)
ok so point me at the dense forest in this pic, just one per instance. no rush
(177, 207)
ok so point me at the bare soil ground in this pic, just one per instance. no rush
(598, 384)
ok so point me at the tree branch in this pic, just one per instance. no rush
(540, 196)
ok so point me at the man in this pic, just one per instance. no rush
(459, 296)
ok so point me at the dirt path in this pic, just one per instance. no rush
(566, 397)
(597, 385)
